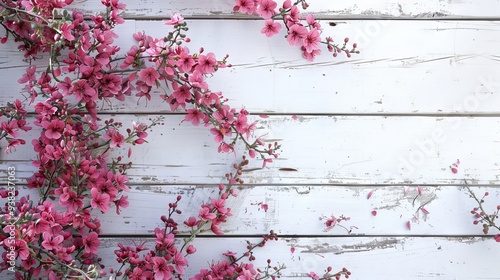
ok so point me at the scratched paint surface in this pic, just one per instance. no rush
(347, 9)
(422, 94)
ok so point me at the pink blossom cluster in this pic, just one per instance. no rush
(235, 269)
(481, 217)
(329, 275)
(57, 235)
(47, 239)
(304, 34)
(168, 259)
(14, 115)
(185, 72)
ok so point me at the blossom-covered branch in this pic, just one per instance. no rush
(305, 34)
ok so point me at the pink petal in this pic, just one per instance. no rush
(265, 207)
(424, 210)
(369, 195)
(264, 116)
(497, 238)
(407, 191)
(419, 189)
(408, 225)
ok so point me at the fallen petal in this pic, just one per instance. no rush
(369, 195)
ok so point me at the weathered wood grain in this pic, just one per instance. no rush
(367, 258)
(334, 9)
(405, 67)
(322, 150)
(296, 210)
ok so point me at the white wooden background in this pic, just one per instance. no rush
(424, 92)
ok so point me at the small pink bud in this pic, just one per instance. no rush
(374, 213)
(292, 250)
(190, 249)
(265, 207)
(251, 153)
(369, 195)
(346, 39)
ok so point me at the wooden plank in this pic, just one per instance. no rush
(366, 258)
(355, 8)
(322, 150)
(451, 71)
(296, 210)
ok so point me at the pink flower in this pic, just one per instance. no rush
(267, 8)
(497, 238)
(182, 93)
(180, 262)
(149, 75)
(51, 242)
(65, 86)
(271, 28)
(21, 248)
(215, 228)
(11, 128)
(66, 31)
(245, 6)
(82, 90)
(224, 115)
(197, 80)
(206, 63)
(312, 40)
(219, 204)
(92, 242)
(121, 202)
(54, 128)
(296, 35)
(175, 19)
(330, 223)
(29, 76)
(311, 55)
(115, 137)
(206, 215)
(99, 200)
(161, 269)
(194, 116)
(70, 199)
(313, 275)
(192, 222)
(185, 62)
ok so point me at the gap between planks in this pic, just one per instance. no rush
(289, 236)
(375, 114)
